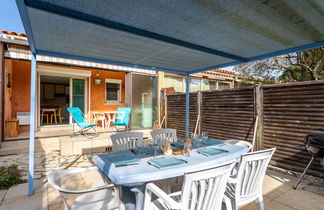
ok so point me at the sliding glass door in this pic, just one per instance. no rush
(143, 101)
(78, 93)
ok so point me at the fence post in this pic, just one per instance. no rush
(198, 121)
(165, 111)
(258, 116)
(199, 105)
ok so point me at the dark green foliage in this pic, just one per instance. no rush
(300, 66)
(9, 176)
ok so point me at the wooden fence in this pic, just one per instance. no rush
(286, 114)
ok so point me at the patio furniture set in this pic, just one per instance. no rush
(213, 172)
(106, 118)
(121, 119)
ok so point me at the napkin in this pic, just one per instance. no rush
(166, 161)
(124, 159)
(211, 151)
(210, 142)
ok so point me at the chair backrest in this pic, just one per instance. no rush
(251, 172)
(126, 140)
(164, 135)
(204, 189)
(239, 143)
(123, 114)
(77, 116)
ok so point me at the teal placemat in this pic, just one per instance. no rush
(124, 159)
(143, 150)
(166, 161)
(178, 144)
(210, 142)
(211, 151)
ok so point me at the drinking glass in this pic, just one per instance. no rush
(198, 139)
(204, 135)
(138, 145)
(187, 148)
(156, 145)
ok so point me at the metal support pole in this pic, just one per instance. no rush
(32, 125)
(187, 104)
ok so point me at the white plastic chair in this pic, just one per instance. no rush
(102, 196)
(164, 135)
(111, 118)
(98, 116)
(246, 185)
(239, 143)
(201, 189)
(126, 140)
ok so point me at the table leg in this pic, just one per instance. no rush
(42, 117)
(139, 196)
(109, 120)
(55, 117)
(128, 198)
(133, 197)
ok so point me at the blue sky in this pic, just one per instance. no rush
(9, 16)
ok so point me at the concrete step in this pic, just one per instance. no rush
(66, 145)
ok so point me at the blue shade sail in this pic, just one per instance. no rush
(179, 36)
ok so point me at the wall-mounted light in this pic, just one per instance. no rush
(97, 74)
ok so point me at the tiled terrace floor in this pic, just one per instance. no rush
(277, 190)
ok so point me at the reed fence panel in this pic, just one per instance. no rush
(289, 112)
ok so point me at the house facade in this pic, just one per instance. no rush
(93, 87)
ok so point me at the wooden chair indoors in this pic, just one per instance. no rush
(58, 115)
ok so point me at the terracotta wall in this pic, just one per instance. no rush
(17, 96)
(97, 93)
(97, 100)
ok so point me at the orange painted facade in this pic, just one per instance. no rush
(17, 97)
(97, 93)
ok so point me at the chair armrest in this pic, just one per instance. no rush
(232, 180)
(163, 196)
(66, 191)
(55, 177)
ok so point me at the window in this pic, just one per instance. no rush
(224, 85)
(195, 85)
(175, 82)
(113, 91)
(209, 85)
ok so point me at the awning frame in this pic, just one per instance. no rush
(69, 13)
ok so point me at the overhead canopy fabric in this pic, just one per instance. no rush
(180, 36)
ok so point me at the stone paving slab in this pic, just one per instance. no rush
(2, 195)
(16, 197)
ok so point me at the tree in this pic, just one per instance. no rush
(300, 66)
(304, 65)
(266, 69)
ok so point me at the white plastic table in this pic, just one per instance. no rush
(111, 116)
(136, 176)
(48, 110)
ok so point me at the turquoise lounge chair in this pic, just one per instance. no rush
(122, 119)
(80, 120)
